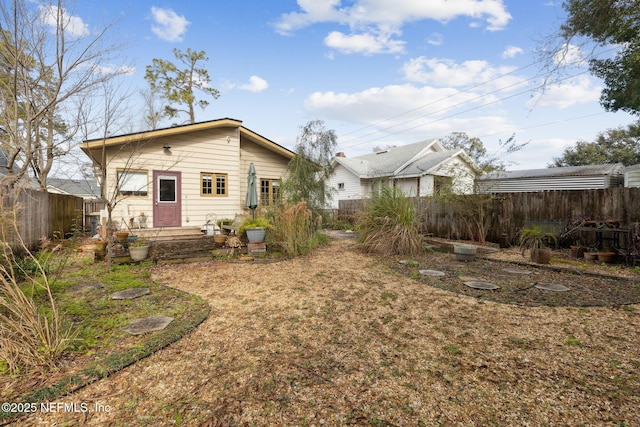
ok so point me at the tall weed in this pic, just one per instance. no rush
(294, 228)
(33, 335)
(389, 224)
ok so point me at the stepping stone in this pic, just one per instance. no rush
(131, 293)
(482, 285)
(552, 287)
(148, 324)
(516, 271)
(85, 287)
(407, 261)
(431, 272)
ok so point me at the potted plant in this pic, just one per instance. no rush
(535, 240)
(255, 229)
(121, 236)
(139, 249)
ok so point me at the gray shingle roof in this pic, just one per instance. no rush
(398, 161)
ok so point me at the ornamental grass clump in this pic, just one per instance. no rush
(294, 228)
(389, 224)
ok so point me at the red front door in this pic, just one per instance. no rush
(167, 206)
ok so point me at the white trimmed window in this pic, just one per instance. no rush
(133, 182)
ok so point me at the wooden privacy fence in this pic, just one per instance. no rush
(38, 214)
(509, 212)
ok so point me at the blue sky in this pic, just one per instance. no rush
(378, 72)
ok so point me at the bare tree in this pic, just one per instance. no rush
(49, 61)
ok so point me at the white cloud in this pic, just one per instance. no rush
(372, 23)
(366, 44)
(73, 25)
(115, 69)
(511, 52)
(375, 104)
(445, 72)
(393, 13)
(580, 90)
(569, 55)
(256, 84)
(168, 25)
(436, 39)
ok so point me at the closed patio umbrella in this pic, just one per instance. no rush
(252, 190)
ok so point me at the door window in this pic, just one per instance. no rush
(167, 189)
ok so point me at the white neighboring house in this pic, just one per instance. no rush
(418, 169)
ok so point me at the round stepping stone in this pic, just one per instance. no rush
(516, 271)
(482, 285)
(552, 287)
(148, 324)
(434, 273)
(131, 293)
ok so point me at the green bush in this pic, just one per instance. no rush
(389, 224)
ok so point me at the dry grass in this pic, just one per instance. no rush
(337, 338)
(33, 334)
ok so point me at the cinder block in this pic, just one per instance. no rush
(256, 248)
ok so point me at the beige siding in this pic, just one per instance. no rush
(268, 165)
(214, 151)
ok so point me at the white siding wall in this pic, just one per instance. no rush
(408, 186)
(632, 178)
(353, 189)
(462, 175)
(215, 151)
(427, 185)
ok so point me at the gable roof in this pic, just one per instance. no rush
(260, 140)
(567, 171)
(409, 160)
(76, 187)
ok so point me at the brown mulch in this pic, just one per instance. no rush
(341, 338)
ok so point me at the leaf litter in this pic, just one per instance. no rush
(342, 338)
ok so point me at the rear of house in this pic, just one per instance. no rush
(179, 176)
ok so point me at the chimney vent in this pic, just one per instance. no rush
(340, 154)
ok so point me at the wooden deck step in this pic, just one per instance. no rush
(170, 233)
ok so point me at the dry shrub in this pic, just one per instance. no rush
(389, 224)
(293, 228)
(33, 335)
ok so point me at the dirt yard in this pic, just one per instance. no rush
(342, 338)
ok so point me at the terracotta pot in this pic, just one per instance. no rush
(590, 256)
(578, 251)
(608, 257)
(541, 256)
(122, 236)
(220, 238)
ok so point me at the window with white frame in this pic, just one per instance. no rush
(133, 183)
